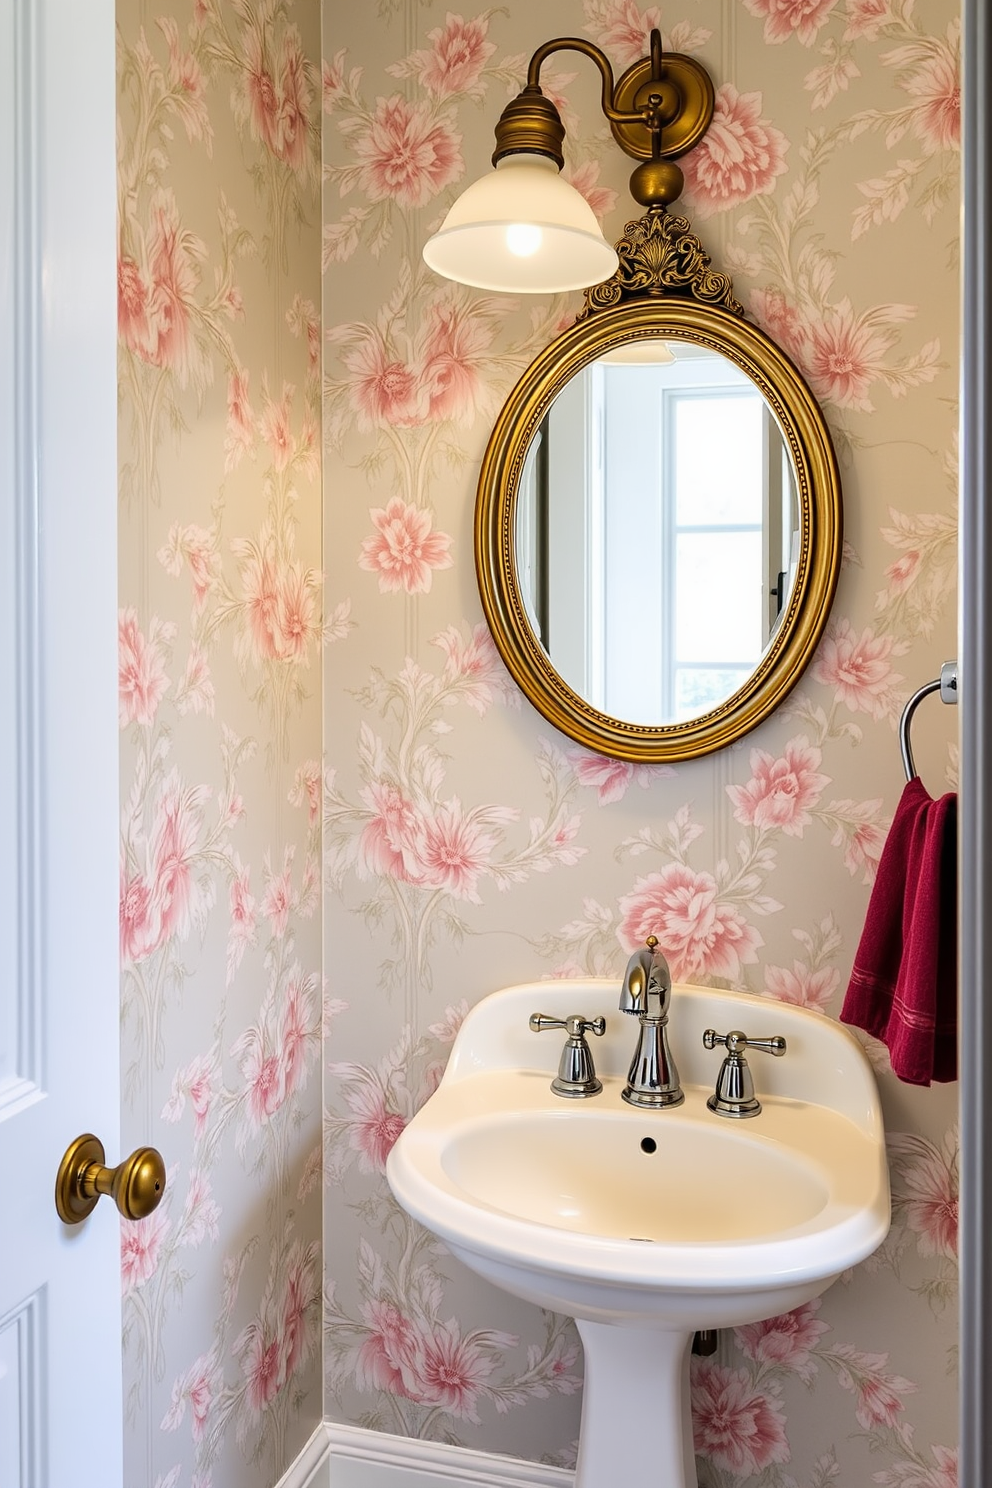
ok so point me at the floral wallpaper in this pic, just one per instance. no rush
(468, 846)
(220, 632)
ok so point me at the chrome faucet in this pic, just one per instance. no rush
(646, 993)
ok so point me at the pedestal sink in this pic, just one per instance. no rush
(646, 1225)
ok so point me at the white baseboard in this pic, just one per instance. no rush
(350, 1457)
(309, 1468)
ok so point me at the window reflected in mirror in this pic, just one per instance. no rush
(657, 532)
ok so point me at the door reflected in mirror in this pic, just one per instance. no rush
(657, 531)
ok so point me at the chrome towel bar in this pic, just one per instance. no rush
(947, 685)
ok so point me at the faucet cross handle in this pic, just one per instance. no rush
(734, 1095)
(736, 1042)
(576, 1075)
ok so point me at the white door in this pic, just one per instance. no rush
(60, 1387)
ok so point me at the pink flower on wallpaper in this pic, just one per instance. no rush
(405, 549)
(453, 353)
(930, 1198)
(240, 437)
(275, 427)
(857, 668)
(801, 986)
(446, 1030)
(132, 305)
(174, 255)
(242, 932)
(736, 1426)
(277, 900)
(300, 1300)
(261, 1365)
(741, 156)
(200, 1401)
(943, 1473)
(260, 90)
(386, 845)
(601, 199)
(200, 1081)
(384, 1358)
(374, 1128)
(299, 1030)
(611, 778)
(866, 17)
(408, 152)
(877, 1394)
(186, 86)
(846, 354)
(295, 104)
(476, 666)
(454, 62)
(700, 936)
(860, 831)
(297, 617)
(903, 572)
(453, 850)
(935, 87)
(200, 1212)
(198, 1388)
(781, 792)
(331, 80)
(173, 844)
(141, 678)
(197, 548)
(787, 1341)
(195, 691)
(451, 1371)
(625, 31)
(308, 786)
(263, 1076)
(785, 18)
(141, 1243)
(782, 321)
(139, 923)
(383, 389)
(260, 588)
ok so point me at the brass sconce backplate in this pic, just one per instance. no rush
(694, 117)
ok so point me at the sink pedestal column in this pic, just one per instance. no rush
(636, 1421)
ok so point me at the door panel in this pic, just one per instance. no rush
(59, 1289)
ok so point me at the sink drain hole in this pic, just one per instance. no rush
(648, 1144)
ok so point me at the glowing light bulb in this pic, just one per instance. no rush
(523, 239)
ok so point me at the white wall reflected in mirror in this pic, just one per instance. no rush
(656, 533)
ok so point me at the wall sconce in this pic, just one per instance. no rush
(522, 228)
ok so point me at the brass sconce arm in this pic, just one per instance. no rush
(668, 101)
(657, 111)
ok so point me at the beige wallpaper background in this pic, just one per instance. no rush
(220, 531)
(468, 846)
(465, 844)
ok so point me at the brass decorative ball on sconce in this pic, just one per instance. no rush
(522, 227)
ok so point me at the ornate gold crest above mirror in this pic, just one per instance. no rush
(658, 526)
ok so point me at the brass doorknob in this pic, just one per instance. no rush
(136, 1185)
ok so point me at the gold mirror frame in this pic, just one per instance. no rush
(601, 328)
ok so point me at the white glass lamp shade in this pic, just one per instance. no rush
(521, 229)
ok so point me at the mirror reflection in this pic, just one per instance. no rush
(657, 531)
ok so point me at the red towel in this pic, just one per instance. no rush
(903, 988)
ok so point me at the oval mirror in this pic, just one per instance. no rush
(658, 529)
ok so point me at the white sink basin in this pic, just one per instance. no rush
(645, 1225)
(532, 1165)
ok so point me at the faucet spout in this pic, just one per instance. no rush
(647, 983)
(646, 993)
